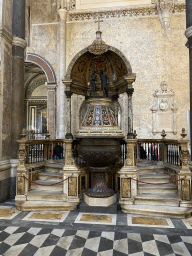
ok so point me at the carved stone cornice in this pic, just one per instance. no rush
(6, 34)
(62, 14)
(36, 101)
(17, 41)
(120, 13)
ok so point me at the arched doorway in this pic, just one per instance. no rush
(40, 85)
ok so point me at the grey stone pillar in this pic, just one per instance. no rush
(188, 34)
(19, 44)
(68, 115)
(130, 114)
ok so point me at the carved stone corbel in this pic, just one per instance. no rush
(165, 10)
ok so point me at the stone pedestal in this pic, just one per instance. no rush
(103, 202)
(184, 186)
(22, 185)
(71, 173)
(128, 187)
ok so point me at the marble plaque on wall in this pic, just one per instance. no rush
(164, 111)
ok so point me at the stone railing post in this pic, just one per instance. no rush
(128, 187)
(70, 186)
(184, 186)
(22, 185)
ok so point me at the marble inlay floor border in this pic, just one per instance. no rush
(12, 209)
(186, 222)
(169, 222)
(82, 215)
(64, 214)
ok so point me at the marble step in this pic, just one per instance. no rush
(155, 178)
(46, 206)
(157, 189)
(157, 199)
(151, 170)
(152, 210)
(58, 187)
(44, 195)
(55, 166)
(50, 176)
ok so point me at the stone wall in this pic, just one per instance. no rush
(5, 98)
(89, 4)
(154, 56)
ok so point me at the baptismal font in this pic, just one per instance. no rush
(99, 137)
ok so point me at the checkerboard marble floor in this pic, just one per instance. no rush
(24, 237)
(24, 241)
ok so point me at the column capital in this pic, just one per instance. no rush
(188, 32)
(51, 86)
(130, 91)
(68, 94)
(63, 13)
(17, 41)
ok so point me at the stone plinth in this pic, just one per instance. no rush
(103, 202)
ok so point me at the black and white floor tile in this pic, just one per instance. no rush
(22, 241)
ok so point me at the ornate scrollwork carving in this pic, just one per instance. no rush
(184, 156)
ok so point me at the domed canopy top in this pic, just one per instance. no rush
(115, 66)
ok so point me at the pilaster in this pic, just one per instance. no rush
(130, 113)
(70, 172)
(51, 88)
(68, 134)
(128, 186)
(62, 67)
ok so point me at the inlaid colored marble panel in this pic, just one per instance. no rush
(149, 221)
(126, 188)
(96, 218)
(72, 187)
(186, 189)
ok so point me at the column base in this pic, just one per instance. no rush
(186, 204)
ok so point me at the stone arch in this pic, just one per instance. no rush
(111, 48)
(44, 65)
(35, 83)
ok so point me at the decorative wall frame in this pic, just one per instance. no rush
(164, 111)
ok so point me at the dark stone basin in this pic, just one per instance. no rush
(99, 152)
